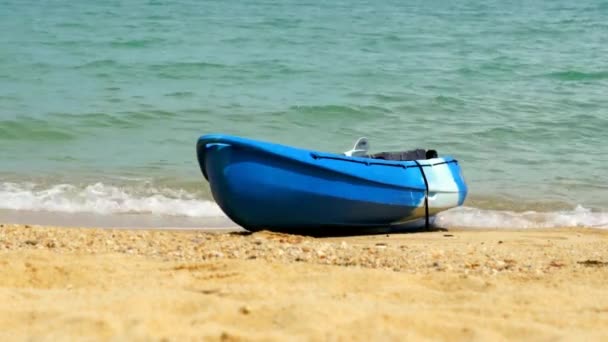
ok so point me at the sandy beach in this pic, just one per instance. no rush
(100, 284)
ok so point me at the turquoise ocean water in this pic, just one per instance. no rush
(101, 103)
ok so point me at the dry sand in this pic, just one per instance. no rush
(95, 284)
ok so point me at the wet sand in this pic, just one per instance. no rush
(101, 284)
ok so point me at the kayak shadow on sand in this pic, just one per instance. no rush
(342, 232)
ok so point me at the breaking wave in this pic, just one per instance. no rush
(467, 217)
(100, 198)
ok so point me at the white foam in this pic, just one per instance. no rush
(100, 198)
(467, 217)
(105, 199)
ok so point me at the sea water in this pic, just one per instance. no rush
(101, 102)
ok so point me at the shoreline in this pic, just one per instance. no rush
(530, 284)
(111, 221)
(456, 218)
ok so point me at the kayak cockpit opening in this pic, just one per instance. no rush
(417, 154)
(361, 148)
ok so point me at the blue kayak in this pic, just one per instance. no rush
(262, 185)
